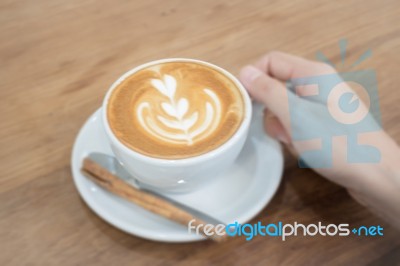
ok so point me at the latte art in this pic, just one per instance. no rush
(176, 115)
(175, 110)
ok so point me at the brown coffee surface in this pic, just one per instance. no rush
(175, 110)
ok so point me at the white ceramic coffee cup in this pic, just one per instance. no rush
(179, 175)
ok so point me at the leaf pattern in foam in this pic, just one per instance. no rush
(177, 111)
(159, 85)
(170, 84)
(182, 107)
(184, 124)
(169, 109)
(170, 123)
(188, 123)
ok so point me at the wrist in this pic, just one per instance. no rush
(379, 187)
(386, 172)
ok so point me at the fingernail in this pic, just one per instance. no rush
(248, 74)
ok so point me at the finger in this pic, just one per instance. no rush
(274, 128)
(284, 66)
(268, 91)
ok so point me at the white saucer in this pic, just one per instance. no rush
(237, 195)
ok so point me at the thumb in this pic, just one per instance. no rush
(268, 91)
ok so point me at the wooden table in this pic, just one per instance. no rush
(59, 58)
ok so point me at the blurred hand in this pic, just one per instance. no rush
(376, 183)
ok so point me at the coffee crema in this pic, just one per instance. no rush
(175, 110)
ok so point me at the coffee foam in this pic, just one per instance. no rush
(175, 110)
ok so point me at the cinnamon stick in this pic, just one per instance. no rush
(144, 199)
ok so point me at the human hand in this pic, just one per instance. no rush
(375, 183)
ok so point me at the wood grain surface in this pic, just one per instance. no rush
(59, 58)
